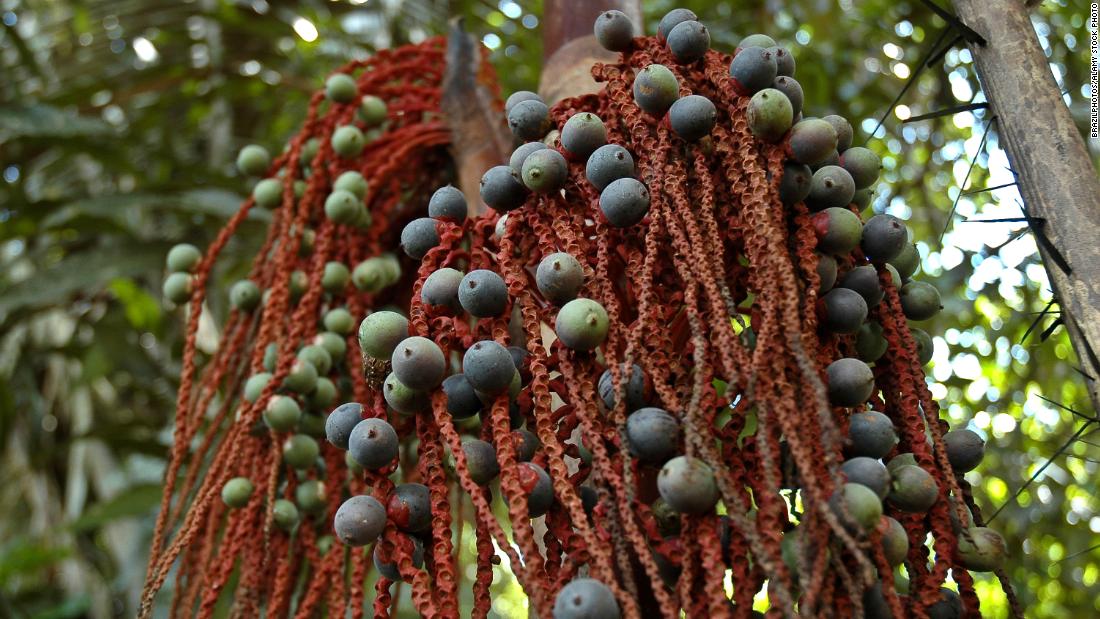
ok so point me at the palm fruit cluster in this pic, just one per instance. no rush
(671, 347)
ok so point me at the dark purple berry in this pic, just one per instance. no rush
(832, 186)
(843, 131)
(844, 311)
(529, 120)
(410, 508)
(518, 97)
(448, 204)
(864, 280)
(688, 485)
(965, 449)
(794, 186)
(784, 61)
(360, 520)
(373, 443)
(812, 141)
(850, 382)
(692, 117)
(440, 289)
(462, 400)
(419, 236)
(653, 434)
(614, 31)
(863, 164)
(483, 293)
(585, 598)
(582, 134)
(341, 421)
(489, 367)
(672, 19)
(635, 388)
(624, 202)
(752, 69)
(481, 460)
(502, 190)
(793, 91)
(559, 278)
(884, 236)
(608, 163)
(521, 153)
(867, 472)
(688, 41)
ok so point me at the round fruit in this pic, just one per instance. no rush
(867, 472)
(985, 551)
(635, 388)
(833, 159)
(870, 434)
(965, 449)
(688, 485)
(864, 280)
(529, 120)
(832, 186)
(373, 443)
(949, 607)
(518, 97)
(784, 61)
(925, 347)
(448, 204)
(418, 237)
(335, 277)
(545, 171)
(526, 444)
(376, 273)
(838, 230)
(624, 202)
(521, 153)
(688, 41)
(390, 571)
(843, 131)
(581, 324)
(285, 514)
(845, 310)
(178, 287)
(770, 115)
(462, 400)
(342, 207)
(310, 496)
(410, 508)
(481, 460)
(586, 598)
(244, 295)
(614, 31)
(920, 300)
(907, 261)
(348, 141)
(300, 451)
(236, 492)
(353, 182)
(441, 288)
(863, 164)
(268, 193)
(655, 89)
(899, 461)
(870, 345)
(488, 367)
(753, 69)
(404, 399)
(608, 163)
(341, 421)
(913, 489)
(862, 198)
(812, 141)
(183, 258)
(755, 40)
(653, 434)
(483, 293)
(793, 91)
(850, 382)
(360, 520)
(559, 277)
(255, 385)
(895, 542)
(884, 236)
(861, 503)
(282, 413)
(372, 110)
(794, 186)
(418, 363)
(502, 190)
(582, 134)
(302, 377)
(826, 272)
(535, 483)
(341, 88)
(672, 19)
(253, 160)
(692, 117)
(298, 283)
(381, 332)
(335, 344)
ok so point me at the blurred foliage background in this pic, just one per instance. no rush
(119, 121)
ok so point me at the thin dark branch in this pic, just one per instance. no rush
(966, 31)
(1035, 322)
(1078, 553)
(908, 83)
(1045, 335)
(966, 107)
(1063, 448)
(1001, 220)
(973, 162)
(943, 51)
(1066, 408)
(975, 191)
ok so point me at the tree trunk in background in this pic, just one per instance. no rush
(570, 48)
(1054, 171)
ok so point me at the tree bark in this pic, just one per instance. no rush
(1060, 188)
(570, 47)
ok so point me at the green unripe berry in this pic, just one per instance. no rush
(268, 193)
(870, 344)
(352, 181)
(244, 295)
(656, 89)
(335, 277)
(348, 141)
(318, 357)
(376, 273)
(300, 451)
(545, 171)
(282, 413)
(339, 320)
(812, 141)
(863, 164)
(178, 287)
(300, 188)
(310, 496)
(183, 258)
(985, 551)
(920, 300)
(285, 514)
(770, 115)
(302, 377)
(838, 230)
(298, 283)
(381, 332)
(271, 356)
(309, 151)
(907, 261)
(334, 343)
(236, 492)
(323, 395)
(581, 324)
(311, 425)
(404, 399)
(913, 489)
(342, 207)
(924, 345)
(253, 160)
(861, 503)
(255, 385)
(340, 87)
(756, 40)
(372, 110)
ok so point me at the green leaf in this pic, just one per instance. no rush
(25, 556)
(135, 501)
(142, 310)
